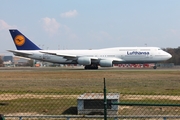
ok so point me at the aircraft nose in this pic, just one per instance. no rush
(169, 55)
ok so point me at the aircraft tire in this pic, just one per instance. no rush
(155, 67)
(91, 67)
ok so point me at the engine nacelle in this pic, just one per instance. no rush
(84, 61)
(105, 63)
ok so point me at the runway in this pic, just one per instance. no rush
(82, 69)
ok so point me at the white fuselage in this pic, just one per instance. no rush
(118, 55)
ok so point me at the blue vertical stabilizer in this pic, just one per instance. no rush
(22, 42)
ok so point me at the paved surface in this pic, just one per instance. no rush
(82, 69)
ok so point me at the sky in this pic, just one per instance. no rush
(91, 24)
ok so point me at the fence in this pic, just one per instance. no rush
(30, 104)
(42, 98)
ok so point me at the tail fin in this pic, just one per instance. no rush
(22, 42)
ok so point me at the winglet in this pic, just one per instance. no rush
(22, 42)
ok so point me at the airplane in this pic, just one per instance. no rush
(90, 59)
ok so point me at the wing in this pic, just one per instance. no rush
(75, 57)
(67, 56)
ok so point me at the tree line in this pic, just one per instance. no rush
(1, 62)
(175, 52)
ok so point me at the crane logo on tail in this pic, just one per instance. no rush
(19, 40)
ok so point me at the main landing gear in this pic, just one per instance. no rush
(155, 67)
(91, 67)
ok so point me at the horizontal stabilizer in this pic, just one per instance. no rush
(19, 52)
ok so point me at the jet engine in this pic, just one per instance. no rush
(84, 61)
(105, 63)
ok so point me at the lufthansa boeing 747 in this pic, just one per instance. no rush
(91, 59)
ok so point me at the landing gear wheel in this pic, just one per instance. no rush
(155, 67)
(91, 67)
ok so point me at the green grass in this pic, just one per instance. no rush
(78, 81)
(45, 83)
(46, 106)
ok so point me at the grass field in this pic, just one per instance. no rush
(55, 90)
(74, 81)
